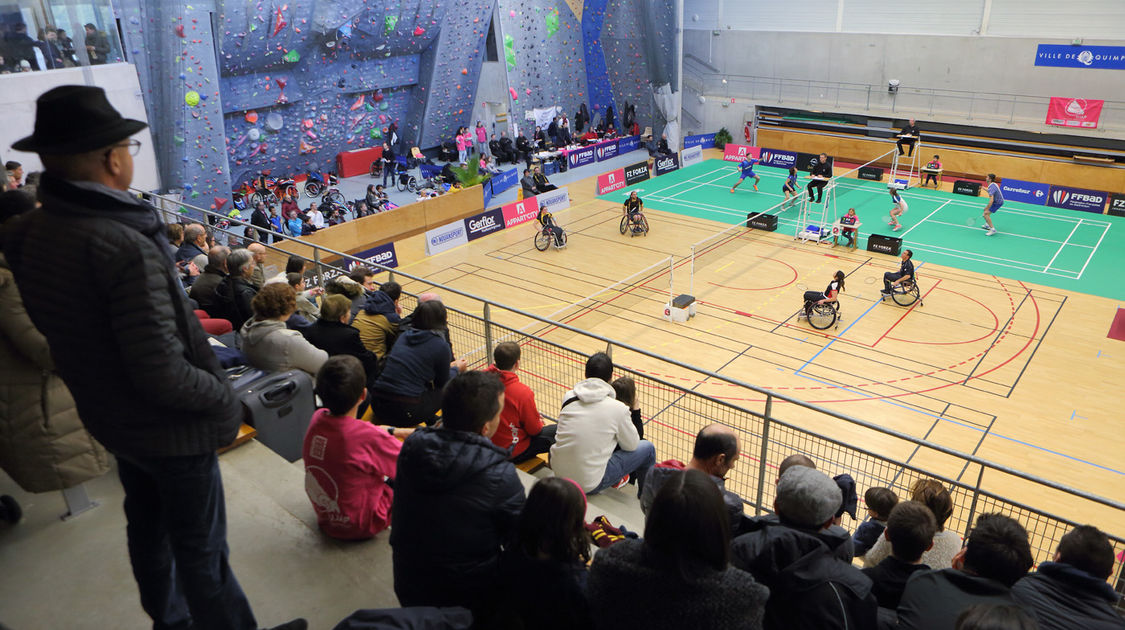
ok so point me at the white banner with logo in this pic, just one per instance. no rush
(694, 155)
(555, 200)
(446, 237)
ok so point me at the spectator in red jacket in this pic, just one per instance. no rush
(521, 429)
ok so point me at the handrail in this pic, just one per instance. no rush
(771, 395)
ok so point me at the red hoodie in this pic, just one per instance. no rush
(519, 418)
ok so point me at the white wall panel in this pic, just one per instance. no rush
(948, 17)
(1067, 19)
(701, 14)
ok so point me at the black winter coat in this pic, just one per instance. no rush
(205, 291)
(1061, 597)
(125, 340)
(809, 586)
(933, 600)
(234, 296)
(337, 338)
(457, 498)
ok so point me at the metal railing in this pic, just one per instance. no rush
(553, 359)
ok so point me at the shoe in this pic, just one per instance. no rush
(985, 227)
(296, 624)
(10, 510)
(732, 191)
(885, 294)
(755, 188)
(624, 481)
(896, 228)
(990, 232)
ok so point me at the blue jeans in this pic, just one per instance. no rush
(177, 530)
(623, 463)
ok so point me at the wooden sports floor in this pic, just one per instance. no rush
(1015, 372)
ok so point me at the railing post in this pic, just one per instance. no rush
(868, 106)
(487, 331)
(762, 455)
(609, 351)
(973, 505)
(319, 268)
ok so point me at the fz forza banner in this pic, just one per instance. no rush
(1074, 112)
(636, 173)
(666, 164)
(1117, 205)
(611, 181)
(778, 158)
(1077, 199)
(735, 152)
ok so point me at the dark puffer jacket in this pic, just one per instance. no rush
(456, 501)
(1062, 597)
(809, 586)
(124, 339)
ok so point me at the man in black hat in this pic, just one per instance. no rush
(133, 354)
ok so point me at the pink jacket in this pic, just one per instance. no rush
(482, 134)
(461, 143)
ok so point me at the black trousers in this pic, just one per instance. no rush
(817, 185)
(537, 444)
(888, 278)
(405, 413)
(907, 141)
(931, 177)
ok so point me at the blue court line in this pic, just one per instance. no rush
(964, 425)
(873, 305)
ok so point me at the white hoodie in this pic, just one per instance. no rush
(590, 428)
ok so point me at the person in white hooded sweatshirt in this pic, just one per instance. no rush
(597, 445)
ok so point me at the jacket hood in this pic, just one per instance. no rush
(594, 390)
(415, 337)
(796, 559)
(1079, 579)
(379, 303)
(444, 458)
(506, 377)
(254, 330)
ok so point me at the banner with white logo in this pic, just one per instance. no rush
(1074, 112)
(580, 157)
(736, 152)
(1077, 199)
(527, 209)
(628, 143)
(705, 140)
(1026, 192)
(1117, 205)
(611, 181)
(666, 164)
(445, 238)
(1068, 56)
(778, 158)
(691, 156)
(606, 150)
(636, 173)
(484, 223)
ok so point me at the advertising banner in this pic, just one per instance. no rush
(666, 164)
(1025, 192)
(636, 173)
(870, 172)
(691, 156)
(504, 180)
(628, 143)
(1074, 112)
(1077, 199)
(611, 181)
(519, 212)
(778, 158)
(1094, 57)
(805, 161)
(965, 187)
(580, 157)
(1117, 205)
(445, 237)
(703, 140)
(735, 152)
(486, 192)
(606, 150)
(484, 223)
(555, 200)
(382, 255)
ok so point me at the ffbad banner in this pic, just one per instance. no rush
(1074, 112)
(736, 152)
(611, 181)
(1077, 199)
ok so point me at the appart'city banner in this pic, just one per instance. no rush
(736, 152)
(1074, 112)
(611, 181)
(526, 210)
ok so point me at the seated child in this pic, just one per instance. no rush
(849, 233)
(879, 503)
(910, 530)
(349, 462)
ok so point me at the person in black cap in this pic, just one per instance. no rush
(125, 341)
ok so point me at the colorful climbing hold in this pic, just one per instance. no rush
(191, 98)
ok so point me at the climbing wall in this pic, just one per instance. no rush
(627, 66)
(542, 51)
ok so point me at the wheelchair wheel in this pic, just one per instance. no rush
(291, 191)
(312, 189)
(335, 197)
(822, 316)
(624, 224)
(256, 198)
(907, 296)
(644, 225)
(376, 169)
(412, 184)
(400, 182)
(542, 240)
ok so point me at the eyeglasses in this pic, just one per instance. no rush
(134, 147)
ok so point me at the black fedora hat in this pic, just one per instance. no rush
(76, 119)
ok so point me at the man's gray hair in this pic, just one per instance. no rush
(807, 497)
(218, 255)
(193, 231)
(239, 259)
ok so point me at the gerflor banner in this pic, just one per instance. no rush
(1077, 199)
(636, 173)
(666, 164)
(484, 223)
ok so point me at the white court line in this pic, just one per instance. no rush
(1063, 246)
(924, 219)
(708, 182)
(976, 258)
(1091, 256)
(1017, 235)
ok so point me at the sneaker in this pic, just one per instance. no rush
(296, 624)
(755, 188)
(990, 232)
(732, 191)
(885, 294)
(985, 227)
(624, 481)
(896, 228)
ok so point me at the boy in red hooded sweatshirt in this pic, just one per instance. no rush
(520, 426)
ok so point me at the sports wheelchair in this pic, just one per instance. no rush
(821, 316)
(544, 238)
(635, 227)
(906, 293)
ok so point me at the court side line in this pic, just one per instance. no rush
(1014, 264)
(908, 311)
(1063, 246)
(1039, 343)
(835, 337)
(926, 217)
(721, 175)
(1094, 251)
(686, 181)
(1015, 234)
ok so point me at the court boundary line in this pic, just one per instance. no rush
(1063, 246)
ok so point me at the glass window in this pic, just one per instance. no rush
(50, 34)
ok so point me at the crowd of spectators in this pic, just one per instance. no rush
(51, 49)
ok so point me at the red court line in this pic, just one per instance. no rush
(908, 311)
(791, 281)
(995, 326)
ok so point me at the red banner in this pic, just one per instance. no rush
(735, 152)
(519, 212)
(1074, 112)
(611, 181)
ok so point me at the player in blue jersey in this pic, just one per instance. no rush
(790, 185)
(746, 169)
(995, 200)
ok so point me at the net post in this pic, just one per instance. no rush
(762, 456)
(691, 280)
(671, 282)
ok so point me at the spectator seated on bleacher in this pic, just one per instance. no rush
(880, 502)
(345, 286)
(331, 333)
(947, 543)
(679, 576)
(837, 538)
(521, 430)
(793, 555)
(348, 462)
(236, 291)
(378, 320)
(596, 443)
(543, 571)
(408, 390)
(910, 530)
(205, 288)
(848, 505)
(306, 305)
(996, 555)
(1071, 591)
(268, 344)
(195, 244)
(715, 453)
(457, 499)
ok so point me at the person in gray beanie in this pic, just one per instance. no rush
(809, 585)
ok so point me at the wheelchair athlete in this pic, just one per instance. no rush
(547, 222)
(634, 208)
(829, 296)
